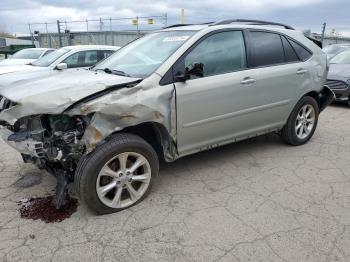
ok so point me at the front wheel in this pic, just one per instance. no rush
(302, 122)
(117, 175)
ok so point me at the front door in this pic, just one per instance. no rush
(211, 104)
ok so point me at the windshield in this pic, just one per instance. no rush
(47, 60)
(143, 56)
(27, 54)
(342, 58)
(334, 49)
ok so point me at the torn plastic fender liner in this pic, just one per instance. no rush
(127, 107)
(326, 97)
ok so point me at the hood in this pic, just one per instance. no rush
(17, 68)
(14, 61)
(339, 72)
(18, 77)
(57, 91)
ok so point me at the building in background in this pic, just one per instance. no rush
(332, 39)
(114, 38)
(9, 46)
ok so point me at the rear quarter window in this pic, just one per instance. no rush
(289, 51)
(301, 51)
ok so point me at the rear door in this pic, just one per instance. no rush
(278, 74)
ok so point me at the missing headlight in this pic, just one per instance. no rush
(6, 103)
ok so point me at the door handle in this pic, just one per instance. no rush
(301, 71)
(248, 81)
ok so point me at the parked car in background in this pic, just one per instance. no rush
(26, 56)
(333, 50)
(63, 58)
(171, 93)
(338, 78)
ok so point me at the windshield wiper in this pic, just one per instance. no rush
(114, 72)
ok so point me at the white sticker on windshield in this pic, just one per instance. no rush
(176, 38)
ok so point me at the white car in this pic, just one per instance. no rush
(63, 58)
(26, 56)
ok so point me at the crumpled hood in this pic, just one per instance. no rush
(15, 61)
(54, 93)
(17, 68)
(339, 72)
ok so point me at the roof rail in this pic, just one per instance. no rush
(253, 22)
(176, 25)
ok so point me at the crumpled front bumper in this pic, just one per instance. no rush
(26, 147)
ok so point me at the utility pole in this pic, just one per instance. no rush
(182, 16)
(111, 29)
(323, 32)
(48, 36)
(31, 34)
(165, 17)
(59, 33)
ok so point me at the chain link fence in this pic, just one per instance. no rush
(101, 31)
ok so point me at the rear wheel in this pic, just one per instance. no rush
(302, 122)
(118, 174)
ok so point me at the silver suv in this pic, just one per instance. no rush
(171, 93)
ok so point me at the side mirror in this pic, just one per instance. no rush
(61, 66)
(179, 77)
(196, 69)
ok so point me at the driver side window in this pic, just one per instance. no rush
(220, 53)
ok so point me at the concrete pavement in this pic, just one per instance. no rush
(257, 200)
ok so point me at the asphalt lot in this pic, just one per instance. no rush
(257, 200)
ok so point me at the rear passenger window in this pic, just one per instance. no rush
(303, 53)
(289, 52)
(267, 49)
(219, 53)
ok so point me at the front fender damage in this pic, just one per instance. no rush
(129, 107)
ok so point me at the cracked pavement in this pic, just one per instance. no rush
(257, 200)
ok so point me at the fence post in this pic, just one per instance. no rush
(323, 32)
(59, 33)
(31, 34)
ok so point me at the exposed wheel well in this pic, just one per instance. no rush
(315, 95)
(323, 98)
(154, 134)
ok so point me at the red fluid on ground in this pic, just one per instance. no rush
(43, 209)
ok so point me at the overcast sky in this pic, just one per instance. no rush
(303, 14)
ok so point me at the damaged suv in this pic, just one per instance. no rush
(171, 93)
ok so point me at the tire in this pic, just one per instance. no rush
(290, 133)
(103, 167)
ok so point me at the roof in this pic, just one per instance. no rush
(84, 47)
(41, 48)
